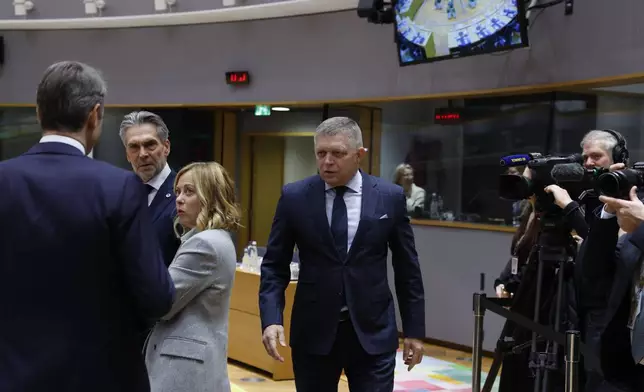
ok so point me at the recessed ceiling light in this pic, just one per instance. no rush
(280, 109)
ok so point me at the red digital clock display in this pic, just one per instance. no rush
(238, 77)
(448, 116)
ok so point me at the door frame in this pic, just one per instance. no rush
(246, 179)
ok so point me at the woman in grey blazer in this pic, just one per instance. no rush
(187, 350)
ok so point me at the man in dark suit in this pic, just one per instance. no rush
(343, 318)
(614, 264)
(80, 264)
(147, 145)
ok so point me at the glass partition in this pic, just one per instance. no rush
(19, 130)
(450, 169)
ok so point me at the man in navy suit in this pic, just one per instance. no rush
(613, 264)
(342, 221)
(80, 265)
(147, 145)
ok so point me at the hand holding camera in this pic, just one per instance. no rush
(561, 196)
(630, 213)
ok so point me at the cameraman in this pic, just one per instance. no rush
(516, 375)
(509, 280)
(600, 149)
(614, 263)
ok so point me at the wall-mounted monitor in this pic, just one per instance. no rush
(434, 30)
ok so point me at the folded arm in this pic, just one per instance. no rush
(192, 271)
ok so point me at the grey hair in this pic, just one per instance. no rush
(605, 140)
(142, 117)
(341, 126)
(67, 94)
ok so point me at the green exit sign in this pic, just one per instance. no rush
(262, 110)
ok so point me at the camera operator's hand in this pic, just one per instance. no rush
(562, 198)
(616, 167)
(578, 240)
(630, 213)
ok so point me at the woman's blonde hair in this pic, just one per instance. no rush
(400, 170)
(216, 192)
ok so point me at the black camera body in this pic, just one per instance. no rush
(517, 187)
(565, 171)
(618, 184)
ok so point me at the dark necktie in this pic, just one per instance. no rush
(340, 222)
(150, 188)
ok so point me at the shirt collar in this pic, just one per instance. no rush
(160, 178)
(63, 139)
(355, 184)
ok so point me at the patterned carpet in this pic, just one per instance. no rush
(434, 375)
(235, 388)
(431, 375)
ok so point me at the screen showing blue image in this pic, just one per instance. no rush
(433, 30)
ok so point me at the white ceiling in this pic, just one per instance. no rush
(228, 14)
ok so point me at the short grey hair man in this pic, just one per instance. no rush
(598, 146)
(602, 138)
(142, 117)
(70, 100)
(341, 125)
(147, 145)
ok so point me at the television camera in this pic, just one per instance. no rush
(565, 171)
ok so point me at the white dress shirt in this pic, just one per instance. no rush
(156, 182)
(353, 200)
(63, 139)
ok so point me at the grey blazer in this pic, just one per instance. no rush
(187, 350)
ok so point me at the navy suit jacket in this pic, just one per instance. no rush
(81, 268)
(610, 264)
(325, 277)
(163, 211)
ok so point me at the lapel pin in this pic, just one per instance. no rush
(167, 195)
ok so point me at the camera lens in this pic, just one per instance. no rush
(610, 184)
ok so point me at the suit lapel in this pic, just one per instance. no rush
(163, 197)
(368, 208)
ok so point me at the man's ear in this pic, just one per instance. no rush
(94, 118)
(166, 147)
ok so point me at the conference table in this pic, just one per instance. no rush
(245, 329)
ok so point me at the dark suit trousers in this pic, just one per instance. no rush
(365, 372)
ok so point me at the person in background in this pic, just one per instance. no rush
(343, 222)
(147, 146)
(518, 206)
(81, 266)
(414, 195)
(187, 350)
